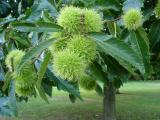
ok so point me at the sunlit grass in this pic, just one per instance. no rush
(137, 101)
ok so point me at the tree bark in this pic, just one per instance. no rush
(109, 102)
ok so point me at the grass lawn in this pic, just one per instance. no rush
(138, 101)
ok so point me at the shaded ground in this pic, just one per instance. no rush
(138, 101)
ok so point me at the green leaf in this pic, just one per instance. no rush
(117, 83)
(113, 28)
(42, 93)
(63, 84)
(5, 8)
(99, 90)
(100, 36)
(2, 74)
(47, 85)
(37, 27)
(8, 104)
(34, 51)
(24, 41)
(72, 98)
(154, 35)
(12, 99)
(43, 68)
(107, 5)
(132, 4)
(88, 3)
(101, 61)
(5, 21)
(128, 67)
(34, 39)
(5, 110)
(140, 45)
(96, 72)
(40, 6)
(41, 73)
(7, 81)
(120, 51)
(147, 14)
(47, 18)
(66, 86)
(115, 69)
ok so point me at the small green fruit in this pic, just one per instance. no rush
(132, 19)
(76, 20)
(26, 77)
(16, 56)
(58, 45)
(55, 35)
(69, 19)
(87, 83)
(24, 91)
(157, 9)
(25, 80)
(92, 21)
(68, 65)
(84, 47)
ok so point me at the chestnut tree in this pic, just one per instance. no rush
(68, 44)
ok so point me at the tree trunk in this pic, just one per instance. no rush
(109, 102)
